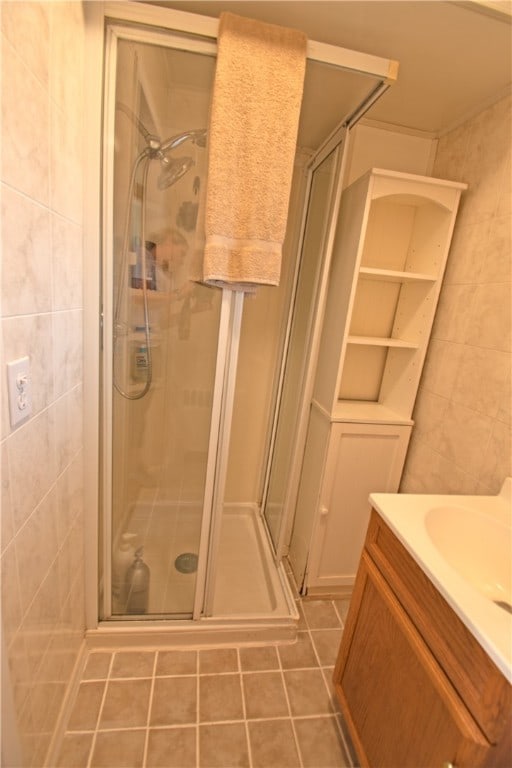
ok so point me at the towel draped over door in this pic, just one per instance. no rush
(252, 138)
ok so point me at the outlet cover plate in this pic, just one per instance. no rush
(20, 390)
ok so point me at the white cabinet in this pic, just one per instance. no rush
(389, 256)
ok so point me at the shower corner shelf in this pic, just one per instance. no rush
(154, 297)
(392, 240)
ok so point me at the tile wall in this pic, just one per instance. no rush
(41, 311)
(462, 439)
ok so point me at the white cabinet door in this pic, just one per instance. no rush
(362, 459)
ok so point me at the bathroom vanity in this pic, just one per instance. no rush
(423, 675)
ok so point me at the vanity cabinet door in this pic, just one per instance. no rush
(400, 708)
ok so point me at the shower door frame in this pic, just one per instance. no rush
(337, 142)
(192, 29)
(226, 359)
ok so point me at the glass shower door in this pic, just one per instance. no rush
(164, 331)
(285, 457)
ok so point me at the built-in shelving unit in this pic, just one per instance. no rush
(389, 257)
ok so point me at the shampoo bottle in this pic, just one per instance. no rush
(121, 562)
(137, 583)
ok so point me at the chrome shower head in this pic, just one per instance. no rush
(172, 170)
(196, 137)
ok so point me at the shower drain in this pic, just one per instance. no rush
(186, 562)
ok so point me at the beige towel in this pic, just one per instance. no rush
(252, 141)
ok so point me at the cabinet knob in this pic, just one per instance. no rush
(448, 764)
(323, 511)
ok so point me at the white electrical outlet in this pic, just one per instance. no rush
(20, 390)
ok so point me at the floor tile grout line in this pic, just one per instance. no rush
(179, 726)
(150, 707)
(294, 730)
(330, 694)
(100, 710)
(198, 755)
(244, 708)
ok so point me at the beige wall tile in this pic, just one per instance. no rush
(7, 527)
(489, 393)
(67, 350)
(42, 485)
(11, 601)
(467, 253)
(25, 128)
(498, 263)
(463, 436)
(454, 312)
(461, 442)
(26, 255)
(496, 462)
(26, 26)
(67, 61)
(36, 548)
(490, 321)
(441, 367)
(32, 445)
(67, 263)
(429, 417)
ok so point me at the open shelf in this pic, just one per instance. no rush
(389, 257)
(378, 341)
(394, 276)
(367, 413)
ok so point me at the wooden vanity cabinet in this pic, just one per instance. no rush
(413, 698)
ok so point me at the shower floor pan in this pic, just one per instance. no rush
(252, 599)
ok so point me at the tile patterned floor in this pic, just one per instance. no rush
(250, 707)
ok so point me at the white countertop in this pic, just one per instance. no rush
(406, 515)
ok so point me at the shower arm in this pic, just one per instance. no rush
(148, 137)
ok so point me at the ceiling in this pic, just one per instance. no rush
(455, 57)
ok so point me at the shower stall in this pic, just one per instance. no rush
(202, 391)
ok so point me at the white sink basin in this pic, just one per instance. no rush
(464, 545)
(477, 546)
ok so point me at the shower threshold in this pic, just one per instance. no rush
(252, 604)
